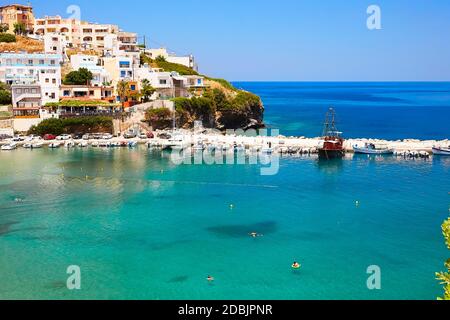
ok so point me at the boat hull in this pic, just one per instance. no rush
(441, 152)
(331, 154)
(372, 151)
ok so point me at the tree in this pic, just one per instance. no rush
(80, 77)
(444, 277)
(4, 27)
(160, 59)
(123, 91)
(147, 90)
(20, 28)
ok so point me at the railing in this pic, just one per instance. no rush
(114, 115)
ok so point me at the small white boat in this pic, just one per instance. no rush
(439, 151)
(83, 144)
(69, 144)
(239, 148)
(37, 145)
(28, 146)
(8, 147)
(267, 149)
(94, 144)
(198, 147)
(370, 148)
(54, 145)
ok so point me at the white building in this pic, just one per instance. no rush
(55, 43)
(93, 64)
(35, 68)
(187, 60)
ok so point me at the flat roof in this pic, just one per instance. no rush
(16, 5)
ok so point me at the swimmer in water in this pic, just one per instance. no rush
(210, 279)
(296, 265)
(255, 234)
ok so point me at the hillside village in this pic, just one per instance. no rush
(57, 68)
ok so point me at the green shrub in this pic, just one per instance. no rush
(444, 277)
(6, 37)
(80, 77)
(5, 97)
(223, 82)
(72, 125)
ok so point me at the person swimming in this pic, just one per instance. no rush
(255, 234)
(296, 265)
(210, 279)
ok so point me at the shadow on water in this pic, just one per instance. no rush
(242, 231)
(331, 166)
(5, 228)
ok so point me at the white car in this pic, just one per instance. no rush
(107, 136)
(64, 137)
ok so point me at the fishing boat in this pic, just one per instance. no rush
(332, 145)
(132, 144)
(10, 146)
(439, 151)
(83, 144)
(370, 148)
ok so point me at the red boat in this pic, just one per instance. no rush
(333, 143)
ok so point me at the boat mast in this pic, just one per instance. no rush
(330, 129)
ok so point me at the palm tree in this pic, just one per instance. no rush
(123, 91)
(20, 28)
(147, 90)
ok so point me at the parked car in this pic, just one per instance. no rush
(64, 137)
(143, 136)
(164, 136)
(107, 136)
(49, 137)
(150, 135)
(77, 136)
(129, 135)
(18, 138)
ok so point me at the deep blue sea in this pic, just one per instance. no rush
(390, 110)
(141, 227)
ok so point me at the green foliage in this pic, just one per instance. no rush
(124, 92)
(8, 38)
(70, 125)
(20, 28)
(5, 97)
(444, 277)
(160, 62)
(4, 27)
(147, 90)
(160, 59)
(159, 118)
(80, 77)
(223, 82)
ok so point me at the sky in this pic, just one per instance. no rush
(286, 40)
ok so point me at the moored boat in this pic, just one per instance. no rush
(439, 151)
(370, 148)
(54, 145)
(10, 146)
(333, 144)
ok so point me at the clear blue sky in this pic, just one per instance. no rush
(306, 40)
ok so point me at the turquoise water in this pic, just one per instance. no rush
(140, 227)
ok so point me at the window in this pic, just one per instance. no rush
(41, 61)
(123, 74)
(30, 62)
(52, 62)
(124, 64)
(133, 87)
(162, 81)
(91, 92)
(66, 93)
(47, 80)
(54, 81)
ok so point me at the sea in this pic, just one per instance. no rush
(125, 223)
